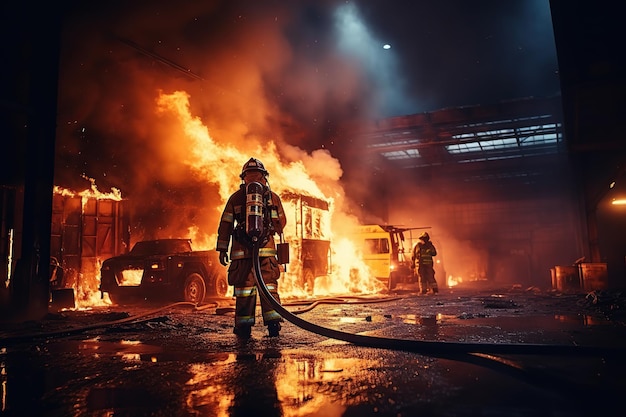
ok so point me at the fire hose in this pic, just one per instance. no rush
(432, 348)
(310, 305)
(76, 330)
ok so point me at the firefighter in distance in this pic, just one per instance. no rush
(252, 212)
(423, 253)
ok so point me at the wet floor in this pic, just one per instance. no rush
(181, 362)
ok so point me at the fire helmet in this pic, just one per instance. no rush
(253, 164)
(425, 237)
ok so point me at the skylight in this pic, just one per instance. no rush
(406, 154)
(516, 138)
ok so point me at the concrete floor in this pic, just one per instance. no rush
(154, 360)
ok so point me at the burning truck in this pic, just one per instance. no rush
(169, 268)
(156, 269)
(91, 241)
(90, 228)
(308, 219)
(165, 268)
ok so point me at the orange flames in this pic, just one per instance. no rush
(85, 285)
(91, 192)
(292, 170)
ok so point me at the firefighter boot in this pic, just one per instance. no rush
(243, 332)
(273, 328)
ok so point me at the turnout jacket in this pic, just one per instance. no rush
(233, 224)
(423, 254)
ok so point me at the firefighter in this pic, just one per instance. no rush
(423, 253)
(240, 270)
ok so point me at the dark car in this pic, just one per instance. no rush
(163, 269)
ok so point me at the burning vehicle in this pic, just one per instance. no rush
(89, 227)
(169, 268)
(385, 253)
(166, 268)
(309, 244)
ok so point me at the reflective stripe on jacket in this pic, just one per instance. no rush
(423, 253)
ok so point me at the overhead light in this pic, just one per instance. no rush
(619, 202)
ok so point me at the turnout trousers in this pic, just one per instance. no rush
(241, 276)
(426, 274)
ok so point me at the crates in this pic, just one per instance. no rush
(594, 276)
(62, 298)
(567, 278)
(586, 277)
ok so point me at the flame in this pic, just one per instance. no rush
(85, 286)
(453, 281)
(292, 171)
(91, 192)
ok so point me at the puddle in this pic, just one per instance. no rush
(130, 377)
(285, 385)
(468, 319)
(131, 351)
(420, 320)
(546, 322)
(121, 398)
(554, 322)
(481, 327)
(261, 381)
(127, 350)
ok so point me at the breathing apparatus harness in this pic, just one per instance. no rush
(253, 225)
(256, 225)
(259, 228)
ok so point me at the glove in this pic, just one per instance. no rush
(224, 258)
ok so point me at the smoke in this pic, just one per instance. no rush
(281, 74)
(357, 40)
(246, 79)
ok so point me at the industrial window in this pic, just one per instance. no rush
(408, 154)
(506, 139)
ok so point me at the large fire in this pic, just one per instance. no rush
(219, 163)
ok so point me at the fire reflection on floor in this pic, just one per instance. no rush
(280, 384)
(190, 364)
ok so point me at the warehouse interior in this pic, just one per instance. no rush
(518, 187)
(522, 185)
(493, 184)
